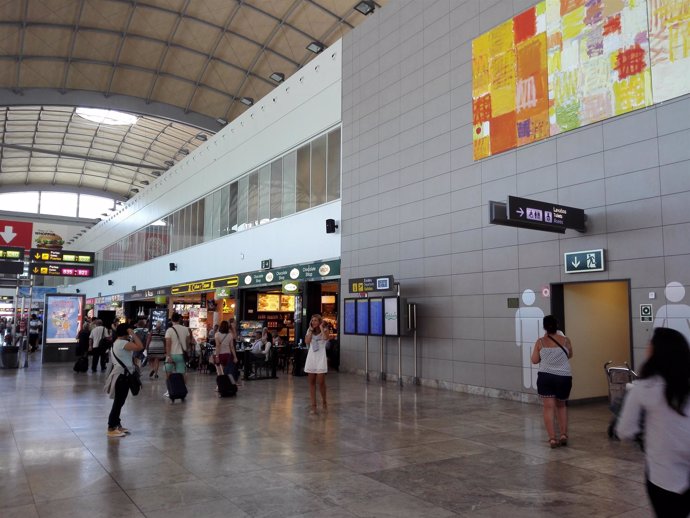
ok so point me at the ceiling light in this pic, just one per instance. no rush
(222, 122)
(144, 182)
(104, 214)
(134, 190)
(315, 47)
(201, 136)
(156, 173)
(365, 7)
(169, 163)
(109, 117)
(278, 77)
(184, 151)
(159, 223)
(247, 100)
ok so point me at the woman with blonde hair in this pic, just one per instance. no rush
(316, 364)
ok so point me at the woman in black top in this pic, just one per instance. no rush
(83, 340)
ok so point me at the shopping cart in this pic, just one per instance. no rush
(618, 377)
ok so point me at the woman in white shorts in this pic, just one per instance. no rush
(316, 364)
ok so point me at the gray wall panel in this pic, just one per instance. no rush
(427, 217)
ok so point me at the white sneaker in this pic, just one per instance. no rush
(166, 394)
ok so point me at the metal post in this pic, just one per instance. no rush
(413, 323)
(400, 381)
(382, 374)
(366, 358)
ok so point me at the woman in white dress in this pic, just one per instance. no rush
(316, 364)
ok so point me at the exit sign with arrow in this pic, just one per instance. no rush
(584, 261)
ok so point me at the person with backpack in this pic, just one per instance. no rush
(145, 337)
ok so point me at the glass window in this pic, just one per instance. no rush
(302, 186)
(333, 169)
(92, 207)
(276, 189)
(58, 203)
(19, 202)
(156, 240)
(243, 188)
(264, 194)
(318, 171)
(208, 218)
(178, 230)
(253, 200)
(232, 208)
(224, 210)
(199, 230)
(289, 182)
(214, 209)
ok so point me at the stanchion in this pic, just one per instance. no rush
(382, 374)
(366, 358)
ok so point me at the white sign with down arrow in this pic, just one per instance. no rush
(8, 234)
(584, 261)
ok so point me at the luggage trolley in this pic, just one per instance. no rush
(618, 377)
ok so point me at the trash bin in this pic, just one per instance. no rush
(9, 356)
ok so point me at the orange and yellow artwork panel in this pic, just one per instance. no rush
(509, 84)
(669, 41)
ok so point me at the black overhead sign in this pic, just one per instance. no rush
(43, 255)
(11, 253)
(536, 215)
(528, 212)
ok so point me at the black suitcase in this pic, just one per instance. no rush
(226, 388)
(176, 386)
(82, 364)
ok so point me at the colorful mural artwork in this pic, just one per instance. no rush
(509, 91)
(669, 35)
(564, 64)
(598, 60)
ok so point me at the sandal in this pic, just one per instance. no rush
(553, 443)
(564, 439)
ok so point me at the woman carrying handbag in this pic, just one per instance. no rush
(117, 384)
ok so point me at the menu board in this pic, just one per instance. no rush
(287, 303)
(362, 316)
(376, 316)
(350, 327)
(268, 302)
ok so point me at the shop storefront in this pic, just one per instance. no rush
(108, 309)
(139, 304)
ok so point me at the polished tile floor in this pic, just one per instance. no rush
(380, 451)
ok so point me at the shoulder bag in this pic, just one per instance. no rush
(559, 345)
(185, 354)
(133, 378)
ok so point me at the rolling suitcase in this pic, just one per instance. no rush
(226, 388)
(82, 364)
(176, 386)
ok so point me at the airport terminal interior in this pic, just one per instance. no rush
(433, 177)
(379, 451)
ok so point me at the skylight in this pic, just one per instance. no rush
(109, 117)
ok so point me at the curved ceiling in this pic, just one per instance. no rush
(200, 58)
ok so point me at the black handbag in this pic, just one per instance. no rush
(133, 378)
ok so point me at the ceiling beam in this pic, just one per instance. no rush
(94, 99)
(66, 154)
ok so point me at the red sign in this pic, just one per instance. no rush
(16, 233)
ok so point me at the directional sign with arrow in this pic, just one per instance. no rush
(16, 233)
(585, 261)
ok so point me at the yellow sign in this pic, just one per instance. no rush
(207, 285)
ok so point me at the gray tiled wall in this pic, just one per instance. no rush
(415, 202)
